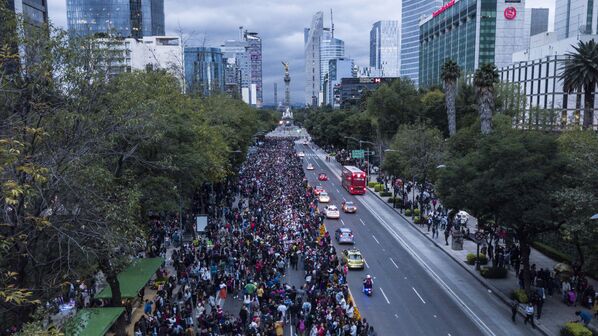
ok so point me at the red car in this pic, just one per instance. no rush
(317, 190)
(322, 177)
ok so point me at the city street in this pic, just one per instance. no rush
(418, 290)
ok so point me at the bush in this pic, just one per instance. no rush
(372, 184)
(391, 199)
(416, 219)
(407, 212)
(378, 187)
(471, 258)
(385, 193)
(575, 329)
(551, 252)
(494, 272)
(417, 212)
(520, 295)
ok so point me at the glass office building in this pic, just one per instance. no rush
(125, 18)
(204, 70)
(575, 17)
(330, 48)
(471, 33)
(412, 11)
(385, 48)
(313, 77)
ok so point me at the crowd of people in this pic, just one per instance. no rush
(268, 226)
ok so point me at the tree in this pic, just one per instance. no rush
(484, 79)
(417, 150)
(509, 179)
(578, 199)
(450, 73)
(466, 105)
(580, 73)
(433, 110)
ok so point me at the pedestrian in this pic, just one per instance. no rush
(514, 306)
(529, 314)
(446, 236)
(584, 317)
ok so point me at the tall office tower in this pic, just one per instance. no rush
(575, 17)
(338, 69)
(385, 47)
(204, 70)
(538, 20)
(412, 11)
(312, 39)
(35, 12)
(254, 51)
(330, 48)
(126, 18)
(275, 95)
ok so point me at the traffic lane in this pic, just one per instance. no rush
(415, 277)
(472, 299)
(387, 307)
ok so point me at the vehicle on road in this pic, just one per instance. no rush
(323, 197)
(344, 236)
(367, 291)
(322, 177)
(318, 189)
(310, 166)
(332, 212)
(353, 259)
(300, 154)
(349, 207)
(353, 180)
(368, 285)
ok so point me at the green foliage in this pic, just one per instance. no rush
(416, 219)
(393, 105)
(378, 187)
(417, 150)
(392, 200)
(408, 212)
(551, 252)
(372, 184)
(471, 259)
(575, 329)
(433, 110)
(520, 295)
(494, 272)
(385, 193)
(417, 212)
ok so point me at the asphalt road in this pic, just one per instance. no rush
(418, 290)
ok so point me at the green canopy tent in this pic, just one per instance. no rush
(133, 278)
(93, 321)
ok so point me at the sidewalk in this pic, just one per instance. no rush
(554, 312)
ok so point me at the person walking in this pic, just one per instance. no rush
(514, 306)
(529, 314)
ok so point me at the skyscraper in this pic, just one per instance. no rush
(35, 12)
(129, 18)
(385, 47)
(204, 70)
(538, 20)
(412, 11)
(313, 38)
(575, 17)
(244, 62)
(330, 48)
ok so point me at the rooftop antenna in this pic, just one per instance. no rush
(331, 23)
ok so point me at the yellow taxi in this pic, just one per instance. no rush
(353, 258)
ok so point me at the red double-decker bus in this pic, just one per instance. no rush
(353, 180)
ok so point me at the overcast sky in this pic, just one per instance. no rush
(280, 24)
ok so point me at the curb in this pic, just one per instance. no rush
(506, 300)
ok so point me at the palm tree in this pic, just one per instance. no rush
(484, 80)
(450, 73)
(580, 72)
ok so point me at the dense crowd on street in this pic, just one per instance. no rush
(268, 225)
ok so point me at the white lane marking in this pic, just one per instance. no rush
(419, 296)
(344, 200)
(343, 222)
(386, 298)
(477, 320)
(366, 264)
(318, 163)
(376, 239)
(361, 220)
(338, 191)
(394, 263)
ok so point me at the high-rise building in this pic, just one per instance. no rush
(471, 33)
(338, 68)
(204, 70)
(411, 12)
(244, 64)
(330, 48)
(575, 17)
(538, 20)
(385, 47)
(129, 18)
(313, 74)
(35, 12)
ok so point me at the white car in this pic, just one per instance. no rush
(310, 167)
(301, 154)
(323, 197)
(332, 211)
